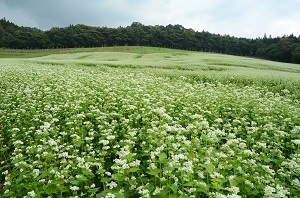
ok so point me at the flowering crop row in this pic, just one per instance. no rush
(73, 131)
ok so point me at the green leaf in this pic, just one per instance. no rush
(183, 196)
(78, 144)
(248, 189)
(3, 167)
(58, 181)
(133, 169)
(100, 171)
(105, 179)
(114, 192)
(173, 196)
(103, 193)
(218, 183)
(162, 156)
(50, 189)
(73, 181)
(129, 157)
(163, 193)
(118, 195)
(3, 149)
(202, 188)
(154, 172)
(150, 187)
(87, 173)
(119, 177)
(94, 190)
(209, 167)
(174, 187)
(191, 183)
(234, 182)
(83, 178)
(63, 188)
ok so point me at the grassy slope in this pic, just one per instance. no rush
(79, 92)
(23, 53)
(201, 66)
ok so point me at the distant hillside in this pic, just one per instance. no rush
(283, 49)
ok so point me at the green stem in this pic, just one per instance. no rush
(160, 175)
(140, 178)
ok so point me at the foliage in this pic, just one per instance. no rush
(77, 129)
(198, 66)
(284, 49)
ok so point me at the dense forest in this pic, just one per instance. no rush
(283, 49)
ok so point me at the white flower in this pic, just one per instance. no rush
(268, 170)
(31, 194)
(188, 166)
(269, 191)
(63, 133)
(133, 178)
(74, 188)
(135, 163)
(112, 185)
(297, 142)
(162, 179)
(80, 115)
(191, 190)
(46, 125)
(296, 182)
(233, 196)
(104, 142)
(281, 192)
(233, 189)
(247, 152)
(249, 183)
(52, 142)
(219, 120)
(80, 159)
(110, 137)
(78, 176)
(157, 191)
(39, 132)
(200, 174)
(5, 172)
(36, 172)
(110, 195)
(152, 166)
(216, 175)
(106, 147)
(179, 157)
(18, 142)
(142, 191)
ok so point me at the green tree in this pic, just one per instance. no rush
(296, 55)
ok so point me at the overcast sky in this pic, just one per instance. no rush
(240, 18)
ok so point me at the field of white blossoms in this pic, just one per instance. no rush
(77, 131)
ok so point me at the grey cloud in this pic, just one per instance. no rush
(63, 12)
(249, 18)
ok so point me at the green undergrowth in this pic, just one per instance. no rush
(31, 53)
(162, 124)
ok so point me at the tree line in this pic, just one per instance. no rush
(283, 49)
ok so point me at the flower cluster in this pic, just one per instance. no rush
(74, 131)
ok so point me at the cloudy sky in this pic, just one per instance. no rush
(240, 18)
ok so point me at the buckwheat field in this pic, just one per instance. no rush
(160, 124)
